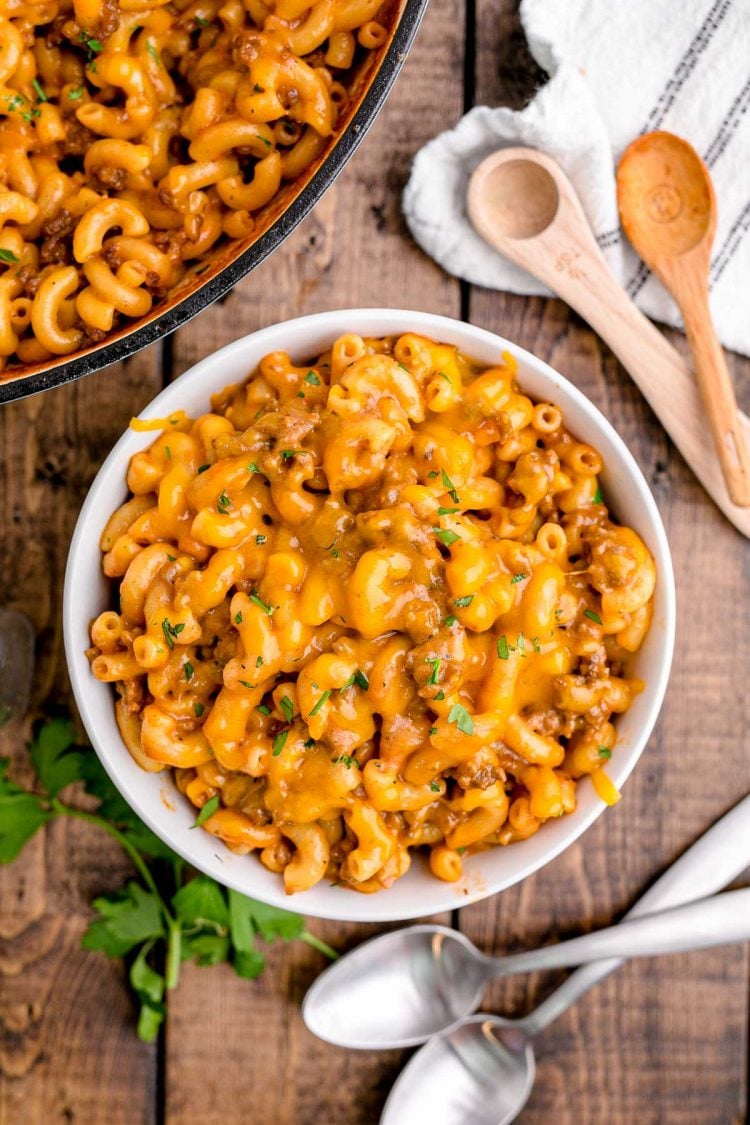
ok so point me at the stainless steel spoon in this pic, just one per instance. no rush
(400, 988)
(482, 1070)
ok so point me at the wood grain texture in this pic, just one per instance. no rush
(67, 1048)
(659, 1043)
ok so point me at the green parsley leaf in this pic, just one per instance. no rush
(247, 684)
(279, 742)
(153, 52)
(199, 709)
(450, 620)
(358, 678)
(38, 90)
(598, 495)
(435, 665)
(287, 708)
(535, 644)
(258, 600)
(518, 578)
(463, 602)
(433, 474)
(125, 920)
(434, 787)
(323, 699)
(201, 22)
(200, 903)
(74, 95)
(263, 709)
(439, 695)
(189, 670)
(259, 662)
(21, 815)
(168, 452)
(55, 757)
(345, 760)
(223, 504)
(238, 618)
(170, 631)
(444, 376)
(312, 378)
(592, 616)
(451, 487)
(502, 647)
(432, 730)
(8, 256)
(461, 717)
(208, 810)
(605, 752)
(260, 540)
(202, 468)
(446, 537)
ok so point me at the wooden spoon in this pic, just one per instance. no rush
(668, 211)
(523, 204)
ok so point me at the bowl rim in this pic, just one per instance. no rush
(328, 325)
(175, 315)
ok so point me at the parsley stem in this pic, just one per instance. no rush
(174, 955)
(321, 946)
(125, 844)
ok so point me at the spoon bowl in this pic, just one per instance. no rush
(666, 197)
(480, 1072)
(399, 988)
(524, 196)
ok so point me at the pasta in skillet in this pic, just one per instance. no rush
(370, 604)
(138, 136)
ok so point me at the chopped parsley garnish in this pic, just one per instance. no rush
(38, 90)
(8, 256)
(440, 694)
(592, 616)
(258, 89)
(93, 47)
(605, 752)
(358, 678)
(312, 379)
(258, 600)
(189, 670)
(308, 743)
(259, 662)
(223, 504)
(598, 495)
(324, 697)
(247, 684)
(287, 708)
(260, 540)
(208, 810)
(518, 577)
(287, 453)
(170, 631)
(238, 618)
(345, 760)
(446, 537)
(461, 850)
(74, 95)
(432, 730)
(201, 22)
(202, 468)
(535, 644)
(451, 619)
(433, 474)
(463, 602)
(435, 669)
(199, 709)
(168, 452)
(502, 647)
(448, 511)
(434, 787)
(263, 709)
(451, 488)
(153, 52)
(279, 742)
(461, 717)
(444, 376)
(252, 467)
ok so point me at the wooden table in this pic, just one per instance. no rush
(659, 1042)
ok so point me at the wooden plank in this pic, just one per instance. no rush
(68, 1049)
(351, 252)
(659, 1041)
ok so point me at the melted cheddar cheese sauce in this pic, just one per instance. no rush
(370, 604)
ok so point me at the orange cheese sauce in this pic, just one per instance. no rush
(368, 604)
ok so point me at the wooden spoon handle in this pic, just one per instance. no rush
(580, 275)
(717, 391)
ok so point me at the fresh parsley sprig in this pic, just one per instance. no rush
(170, 915)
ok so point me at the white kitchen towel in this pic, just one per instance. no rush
(618, 69)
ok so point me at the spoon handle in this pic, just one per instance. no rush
(711, 863)
(580, 275)
(717, 391)
(720, 920)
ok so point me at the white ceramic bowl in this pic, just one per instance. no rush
(154, 796)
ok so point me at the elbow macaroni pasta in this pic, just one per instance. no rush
(372, 604)
(138, 136)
